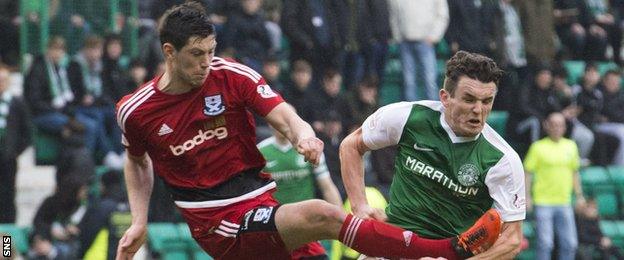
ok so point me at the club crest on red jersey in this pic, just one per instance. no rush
(213, 105)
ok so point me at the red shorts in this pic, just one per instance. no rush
(244, 230)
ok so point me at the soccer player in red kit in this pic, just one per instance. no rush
(193, 127)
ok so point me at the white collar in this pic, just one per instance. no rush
(454, 138)
(283, 147)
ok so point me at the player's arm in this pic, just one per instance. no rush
(352, 150)
(508, 244)
(325, 184)
(139, 182)
(285, 120)
(329, 190)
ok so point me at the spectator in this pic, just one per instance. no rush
(468, 27)
(10, 21)
(536, 101)
(94, 100)
(379, 22)
(246, 36)
(578, 31)
(55, 226)
(15, 132)
(590, 235)
(296, 179)
(538, 27)
(298, 92)
(273, 11)
(332, 135)
(512, 53)
(115, 83)
(417, 26)
(552, 163)
(611, 118)
(138, 74)
(362, 102)
(111, 213)
(603, 15)
(312, 32)
(356, 34)
(48, 92)
(271, 71)
(330, 99)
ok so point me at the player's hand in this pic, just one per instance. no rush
(368, 212)
(311, 148)
(131, 241)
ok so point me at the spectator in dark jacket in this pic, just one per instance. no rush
(298, 92)
(312, 31)
(578, 31)
(246, 36)
(56, 220)
(15, 132)
(48, 92)
(330, 99)
(94, 100)
(611, 118)
(110, 213)
(467, 29)
(115, 83)
(590, 235)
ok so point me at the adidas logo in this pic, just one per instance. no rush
(164, 129)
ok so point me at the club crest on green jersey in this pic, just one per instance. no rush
(468, 175)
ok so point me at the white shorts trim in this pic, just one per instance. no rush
(225, 202)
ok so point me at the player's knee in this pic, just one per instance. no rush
(324, 214)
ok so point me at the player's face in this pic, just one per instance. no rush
(467, 110)
(192, 62)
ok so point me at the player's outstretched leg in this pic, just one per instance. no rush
(300, 223)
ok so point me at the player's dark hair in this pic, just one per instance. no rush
(181, 22)
(472, 65)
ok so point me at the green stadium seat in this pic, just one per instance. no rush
(393, 51)
(165, 237)
(610, 228)
(393, 71)
(617, 175)
(174, 255)
(441, 66)
(528, 230)
(390, 93)
(596, 180)
(607, 205)
(191, 246)
(498, 121)
(443, 49)
(603, 67)
(19, 236)
(47, 147)
(575, 69)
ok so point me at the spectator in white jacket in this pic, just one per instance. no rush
(417, 26)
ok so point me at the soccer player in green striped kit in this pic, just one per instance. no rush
(451, 166)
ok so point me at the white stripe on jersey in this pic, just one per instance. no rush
(226, 67)
(123, 108)
(127, 108)
(230, 224)
(218, 60)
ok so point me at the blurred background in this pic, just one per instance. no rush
(65, 63)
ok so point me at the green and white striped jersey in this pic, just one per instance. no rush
(294, 176)
(443, 182)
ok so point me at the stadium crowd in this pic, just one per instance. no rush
(333, 61)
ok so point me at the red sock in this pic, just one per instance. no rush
(376, 238)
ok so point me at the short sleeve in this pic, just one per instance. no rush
(505, 182)
(129, 139)
(385, 127)
(259, 96)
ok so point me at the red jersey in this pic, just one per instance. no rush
(203, 137)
